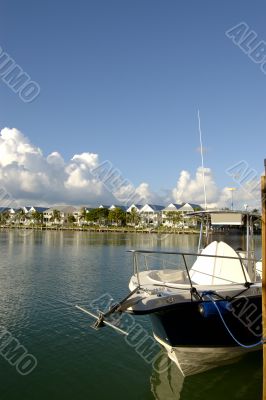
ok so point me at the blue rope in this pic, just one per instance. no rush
(228, 330)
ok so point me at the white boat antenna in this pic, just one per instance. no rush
(202, 163)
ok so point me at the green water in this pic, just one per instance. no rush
(43, 275)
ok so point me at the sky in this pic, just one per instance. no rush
(120, 83)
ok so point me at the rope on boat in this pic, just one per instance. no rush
(263, 340)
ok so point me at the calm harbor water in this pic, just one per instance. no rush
(44, 274)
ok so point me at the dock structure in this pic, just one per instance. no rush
(263, 241)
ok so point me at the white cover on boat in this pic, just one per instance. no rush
(218, 271)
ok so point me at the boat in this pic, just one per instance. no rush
(206, 312)
(242, 377)
(205, 307)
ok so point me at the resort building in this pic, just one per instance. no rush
(174, 215)
(60, 214)
(148, 215)
(26, 210)
(171, 215)
(151, 214)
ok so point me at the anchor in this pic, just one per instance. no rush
(101, 318)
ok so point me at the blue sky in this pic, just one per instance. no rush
(124, 79)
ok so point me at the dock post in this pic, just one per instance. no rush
(263, 241)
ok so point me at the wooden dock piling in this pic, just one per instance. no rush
(263, 241)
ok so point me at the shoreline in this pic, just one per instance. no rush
(102, 229)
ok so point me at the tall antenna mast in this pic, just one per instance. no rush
(202, 163)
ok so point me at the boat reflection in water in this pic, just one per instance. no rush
(237, 380)
(167, 381)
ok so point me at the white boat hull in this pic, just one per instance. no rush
(195, 360)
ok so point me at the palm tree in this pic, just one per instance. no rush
(3, 217)
(56, 217)
(178, 217)
(71, 219)
(117, 216)
(170, 215)
(19, 216)
(175, 217)
(37, 217)
(134, 216)
(82, 214)
(102, 215)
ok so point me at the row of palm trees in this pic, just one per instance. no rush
(100, 216)
(96, 216)
(20, 217)
(117, 216)
(104, 216)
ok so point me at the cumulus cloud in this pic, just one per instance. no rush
(31, 178)
(27, 174)
(191, 189)
(146, 195)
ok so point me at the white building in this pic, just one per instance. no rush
(26, 210)
(64, 212)
(171, 209)
(169, 219)
(151, 214)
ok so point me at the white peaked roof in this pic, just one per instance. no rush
(186, 207)
(173, 207)
(137, 206)
(151, 208)
(215, 270)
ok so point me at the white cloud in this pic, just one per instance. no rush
(190, 189)
(247, 193)
(89, 160)
(56, 160)
(146, 195)
(33, 179)
(28, 176)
